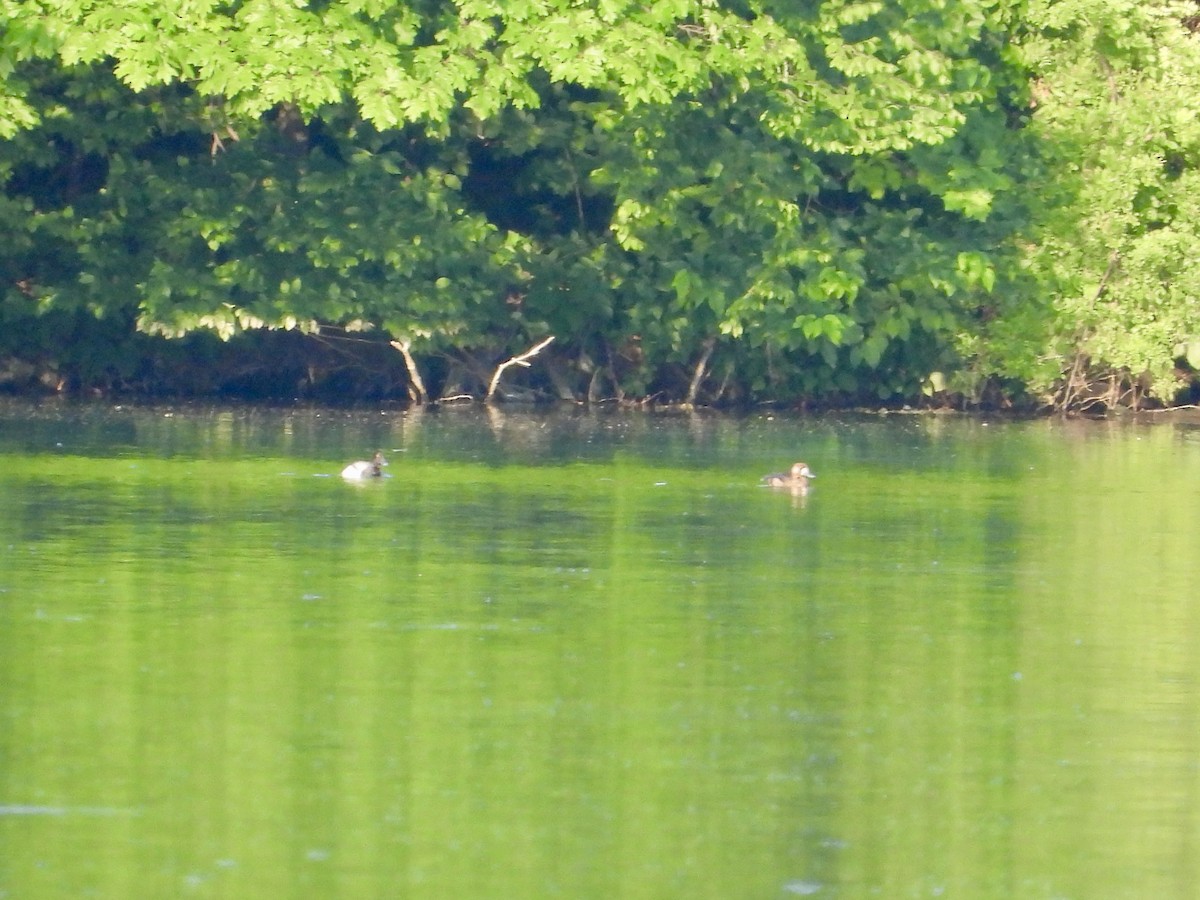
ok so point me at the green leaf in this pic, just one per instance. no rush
(974, 203)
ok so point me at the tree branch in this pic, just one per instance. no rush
(521, 360)
(700, 370)
(416, 384)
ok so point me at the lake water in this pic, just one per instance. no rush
(587, 656)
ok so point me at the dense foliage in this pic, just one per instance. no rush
(701, 201)
(1118, 96)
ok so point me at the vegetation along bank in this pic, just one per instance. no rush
(986, 202)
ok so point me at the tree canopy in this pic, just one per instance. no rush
(707, 201)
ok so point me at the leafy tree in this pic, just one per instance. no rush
(1117, 94)
(837, 249)
(738, 199)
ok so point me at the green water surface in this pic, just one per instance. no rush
(587, 656)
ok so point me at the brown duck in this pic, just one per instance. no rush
(796, 477)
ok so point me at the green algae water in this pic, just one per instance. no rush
(587, 656)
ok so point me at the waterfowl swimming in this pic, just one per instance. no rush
(796, 477)
(362, 469)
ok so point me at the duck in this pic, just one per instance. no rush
(796, 477)
(362, 469)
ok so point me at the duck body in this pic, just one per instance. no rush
(364, 469)
(796, 477)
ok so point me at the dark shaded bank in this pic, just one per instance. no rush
(80, 355)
